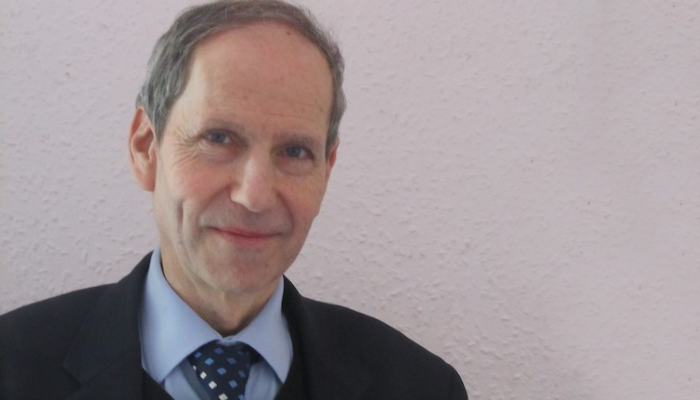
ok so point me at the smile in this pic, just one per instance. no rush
(244, 237)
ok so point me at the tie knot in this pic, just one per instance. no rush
(223, 370)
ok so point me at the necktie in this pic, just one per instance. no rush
(223, 370)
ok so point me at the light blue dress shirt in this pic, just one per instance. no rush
(170, 330)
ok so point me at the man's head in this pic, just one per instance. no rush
(242, 160)
(172, 55)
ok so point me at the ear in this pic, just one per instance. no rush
(331, 158)
(143, 150)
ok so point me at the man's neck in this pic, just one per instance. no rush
(227, 312)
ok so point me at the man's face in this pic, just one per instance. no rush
(241, 168)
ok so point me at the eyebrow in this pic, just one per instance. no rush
(224, 124)
(298, 138)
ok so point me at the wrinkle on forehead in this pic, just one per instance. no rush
(246, 49)
(220, 106)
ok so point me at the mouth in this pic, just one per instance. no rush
(244, 236)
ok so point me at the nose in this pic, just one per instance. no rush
(254, 188)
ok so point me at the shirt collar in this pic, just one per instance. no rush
(171, 330)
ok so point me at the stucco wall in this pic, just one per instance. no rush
(517, 188)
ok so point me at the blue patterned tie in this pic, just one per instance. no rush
(223, 370)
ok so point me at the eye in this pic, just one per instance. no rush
(218, 137)
(296, 152)
(296, 158)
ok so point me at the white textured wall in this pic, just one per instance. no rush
(518, 184)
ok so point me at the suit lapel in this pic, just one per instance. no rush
(106, 354)
(332, 371)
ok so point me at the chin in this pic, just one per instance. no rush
(242, 279)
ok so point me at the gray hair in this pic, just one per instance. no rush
(169, 63)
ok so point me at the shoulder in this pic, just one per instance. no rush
(35, 339)
(369, 335)
(46, 325)
(385, 352)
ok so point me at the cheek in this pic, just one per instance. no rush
(306, 200)
(185, 192)
(193, 182)
(186, 174)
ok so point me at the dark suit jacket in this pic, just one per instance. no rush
(86, 345)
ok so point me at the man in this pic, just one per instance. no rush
(235, 134)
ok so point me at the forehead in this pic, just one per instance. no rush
(269, 66)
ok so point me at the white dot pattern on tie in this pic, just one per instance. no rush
(223, 370)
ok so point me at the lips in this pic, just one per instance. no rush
(244, 236)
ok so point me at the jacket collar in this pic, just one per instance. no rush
(332, 371)
(106, 354)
